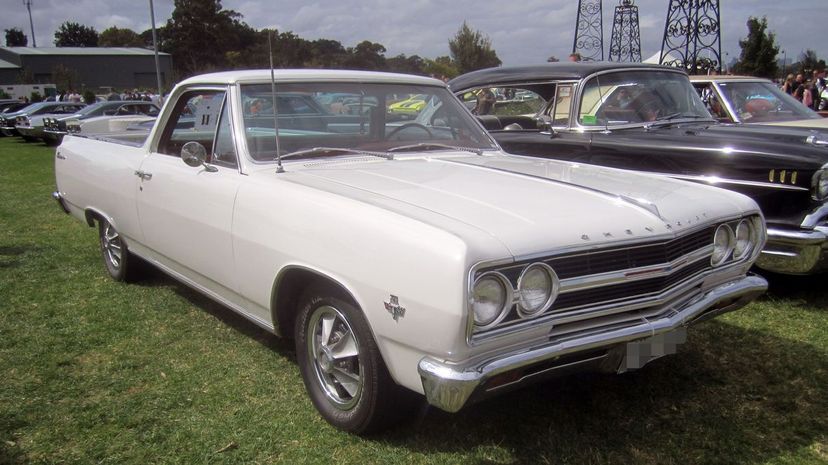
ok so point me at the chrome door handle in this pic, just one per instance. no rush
(143, 175)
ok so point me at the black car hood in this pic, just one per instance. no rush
(767, 145)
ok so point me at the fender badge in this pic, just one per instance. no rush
(393, 307)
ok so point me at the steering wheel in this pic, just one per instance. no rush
(408, 126)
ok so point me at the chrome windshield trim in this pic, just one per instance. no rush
(575, 109)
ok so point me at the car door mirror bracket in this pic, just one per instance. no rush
(194, 154)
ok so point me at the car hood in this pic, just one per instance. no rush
(529, 204)
(759, 147)
(816, 123)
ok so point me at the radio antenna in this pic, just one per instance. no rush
(279, 168)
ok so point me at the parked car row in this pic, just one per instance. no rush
(50, 121)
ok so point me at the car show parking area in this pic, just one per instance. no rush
(99, 372)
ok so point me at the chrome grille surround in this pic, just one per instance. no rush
(597, 284)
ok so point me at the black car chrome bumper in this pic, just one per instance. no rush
(795, 252)
(449, 386)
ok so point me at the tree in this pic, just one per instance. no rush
(471, 50)
(115, 37)
(759, 50)
(403, 64)
(200, 33)
(16, 38)
(71, 34)
(808, 62)
(440, 67)
(366, 55)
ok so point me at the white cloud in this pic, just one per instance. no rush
(521, 32)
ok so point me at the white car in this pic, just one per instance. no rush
(407, 259)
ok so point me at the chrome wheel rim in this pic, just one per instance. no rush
(334, 351)
(112, 246)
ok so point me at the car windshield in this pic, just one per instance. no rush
(350, 116)
(639, 98)
(761, 102)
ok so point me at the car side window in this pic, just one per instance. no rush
(712, 101)
(225, 150)
(514, 101)
(562, 106)
(193, 119)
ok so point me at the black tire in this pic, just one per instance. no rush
(352, 389)
(119, 263)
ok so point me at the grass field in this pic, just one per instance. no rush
(92, 371)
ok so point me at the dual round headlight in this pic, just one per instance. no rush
(493, 296)
(737, 244)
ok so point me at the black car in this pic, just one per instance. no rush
(648, 117)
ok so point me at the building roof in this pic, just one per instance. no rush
(564, 70)
(74, 51)
(6, 65)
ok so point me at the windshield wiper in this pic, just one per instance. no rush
(425, 146)
(325, 151)
(668, 119)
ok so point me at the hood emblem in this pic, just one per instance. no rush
(393, 307)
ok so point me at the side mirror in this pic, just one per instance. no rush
(194, 154)
(544, 123)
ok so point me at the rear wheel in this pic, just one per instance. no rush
(119, 263)
(342, 368)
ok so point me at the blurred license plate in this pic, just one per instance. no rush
(640, 353)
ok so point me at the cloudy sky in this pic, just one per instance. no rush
(521, 32)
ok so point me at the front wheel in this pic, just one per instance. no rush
(119, 263)
(342, 368)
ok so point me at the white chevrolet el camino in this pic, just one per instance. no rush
(412, 256)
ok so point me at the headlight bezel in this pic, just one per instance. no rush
(745, 227)
(731, 239)
(552, 294)
(505, 307)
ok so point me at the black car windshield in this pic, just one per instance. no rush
(761, 102)
(639, 98)
(357, 117)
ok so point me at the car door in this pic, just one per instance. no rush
(186, 212)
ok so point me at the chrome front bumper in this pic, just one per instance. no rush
(449, 386)
(795, 252)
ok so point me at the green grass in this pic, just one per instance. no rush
(93, 371)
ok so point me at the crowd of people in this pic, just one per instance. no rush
(808, 91)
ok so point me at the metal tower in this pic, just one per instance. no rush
(692, 36)
(589, 31)
(625, 43)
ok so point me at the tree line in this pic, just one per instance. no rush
(202, 36)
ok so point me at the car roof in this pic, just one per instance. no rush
(305, 75)
(560, 71)
(728, 77)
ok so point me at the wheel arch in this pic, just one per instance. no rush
(288, 287)
(91, 215)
